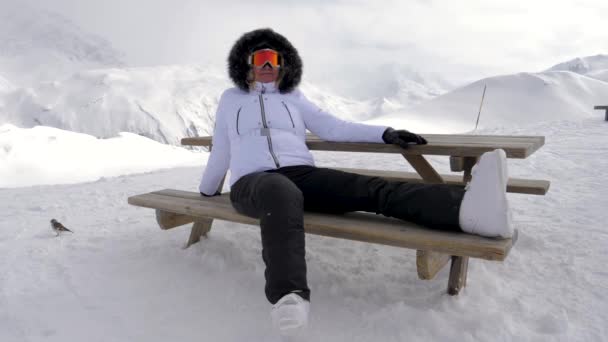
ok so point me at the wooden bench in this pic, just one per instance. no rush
(434, 247)
(602, 108)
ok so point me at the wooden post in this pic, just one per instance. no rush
(200, 228)
(604, 108)
(468, 163)
(456, 164)
(458, 274)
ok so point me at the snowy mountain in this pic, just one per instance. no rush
(164, 103)
(592, 66)
(391, 86)
(510, 100)
(5, 85)
(37, 45)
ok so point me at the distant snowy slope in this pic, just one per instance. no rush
(39, 45)
(511, 100)
(162, 103)
(165, 103)
(391, 86)
(345, 108)
(5, 85)
(46, 155)
(591, 66)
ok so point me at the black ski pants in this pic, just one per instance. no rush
(279, 197)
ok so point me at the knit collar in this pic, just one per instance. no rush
(269, 87)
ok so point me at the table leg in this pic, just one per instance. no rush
(468, 163)
(201, 227)
(428, 263)
(458, 274)
(424, 168)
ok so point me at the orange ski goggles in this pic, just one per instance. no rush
(259, 58)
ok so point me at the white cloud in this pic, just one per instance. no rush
(462, 40)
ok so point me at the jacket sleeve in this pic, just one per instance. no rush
(219, 160)
(331, 128)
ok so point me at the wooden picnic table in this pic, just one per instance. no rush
(463, 150)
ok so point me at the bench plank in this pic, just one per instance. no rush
(514, 185)
(357, 226)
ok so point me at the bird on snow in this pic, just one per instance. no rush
(58, 227)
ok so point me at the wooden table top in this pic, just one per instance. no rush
(462, 145)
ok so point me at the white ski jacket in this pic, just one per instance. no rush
(264, 129)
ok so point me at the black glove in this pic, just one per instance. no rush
(402, 137)
(215, 194)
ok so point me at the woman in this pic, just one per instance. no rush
(260, 136)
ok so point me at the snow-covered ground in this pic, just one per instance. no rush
(120, 278)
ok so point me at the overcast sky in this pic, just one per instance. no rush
(463, 40)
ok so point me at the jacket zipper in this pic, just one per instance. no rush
(237, 120)
(276, 161)
(288, 112)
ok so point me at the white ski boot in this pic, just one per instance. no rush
(290, 316)
(484, 209)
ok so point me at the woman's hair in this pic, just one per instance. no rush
(240, 71)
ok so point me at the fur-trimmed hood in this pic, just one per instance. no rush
(291, 69)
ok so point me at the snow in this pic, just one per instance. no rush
(120, 278)
(75, 147)
(46, 155)
(510, 101)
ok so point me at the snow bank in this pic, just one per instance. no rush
(46, 155)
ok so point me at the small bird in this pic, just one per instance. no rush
(58, 227)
